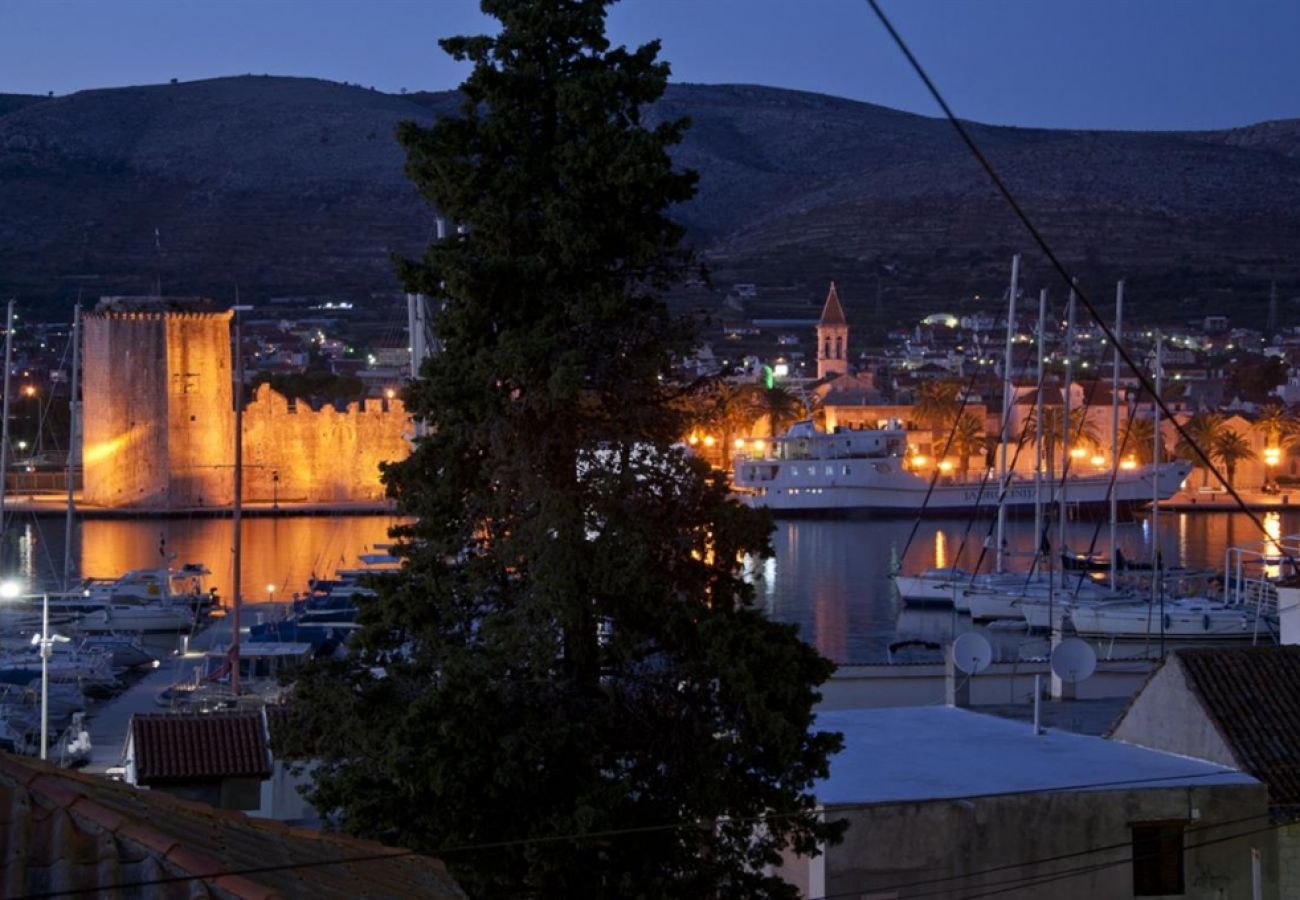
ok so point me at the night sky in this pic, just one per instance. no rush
(1126, 64)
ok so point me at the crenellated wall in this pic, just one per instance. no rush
(324, 455)
(159, 421)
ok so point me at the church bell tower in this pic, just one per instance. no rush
(832, 338)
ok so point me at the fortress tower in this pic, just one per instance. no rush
(159, 422)
(832, 338)
(158, 419)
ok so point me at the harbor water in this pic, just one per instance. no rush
(829, 577)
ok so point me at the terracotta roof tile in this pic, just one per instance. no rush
(72, 832)
(186, 747)
(1251, 696)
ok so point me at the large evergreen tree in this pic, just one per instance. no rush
(568, 672)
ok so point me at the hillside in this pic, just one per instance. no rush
(292, 186)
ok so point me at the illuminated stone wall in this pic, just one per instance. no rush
(158, 429)
(159, 424)
(321, 456)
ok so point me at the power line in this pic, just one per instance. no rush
(1042, 878)
(577, 837)
(1047, 251)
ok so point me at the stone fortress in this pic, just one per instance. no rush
(159, 420)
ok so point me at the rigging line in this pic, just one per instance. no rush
(1114, 474)
(1004, 487)
(1043, 878)
(1097, 867)
(1087, 851)
(1047, 251)
(577, 837)
(934, 478)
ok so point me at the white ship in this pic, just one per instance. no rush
(806, 472)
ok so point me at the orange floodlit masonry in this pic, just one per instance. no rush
(159, 419)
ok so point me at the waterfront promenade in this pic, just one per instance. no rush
(52, 504)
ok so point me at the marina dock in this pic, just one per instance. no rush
(108, 721)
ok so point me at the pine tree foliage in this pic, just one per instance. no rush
(568, 670)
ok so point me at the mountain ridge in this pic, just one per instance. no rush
(295, 186)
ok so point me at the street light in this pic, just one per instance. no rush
(270, 593)
(12, 590)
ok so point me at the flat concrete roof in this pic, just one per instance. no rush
(938, 752)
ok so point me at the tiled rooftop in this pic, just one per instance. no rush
(71, 832)
(1252, 694)
(170, 748)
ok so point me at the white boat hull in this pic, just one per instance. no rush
(857, 486)
(1178, 621)
(130, 618)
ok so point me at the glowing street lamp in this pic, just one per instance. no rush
(1272, 456)
(12, 590)
(1098, 461)
(270, 593)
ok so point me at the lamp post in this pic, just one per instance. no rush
(11, 590)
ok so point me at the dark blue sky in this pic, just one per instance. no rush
(1142, 64)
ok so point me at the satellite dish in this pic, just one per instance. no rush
(1074, 660)
(972, 653)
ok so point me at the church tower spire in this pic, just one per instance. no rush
(832, 338)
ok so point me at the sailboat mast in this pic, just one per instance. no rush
(1155, 475)
(4, 430)
(1006, 411)
(1114, 433)
(74, 436)
(1065, 418)
(238, 500)
(1038, 421)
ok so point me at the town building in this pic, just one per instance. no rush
(945, 802)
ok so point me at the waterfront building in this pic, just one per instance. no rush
(159, 421)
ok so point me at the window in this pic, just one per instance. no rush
(1157, 858)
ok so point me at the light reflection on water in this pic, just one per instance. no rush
(831, 578)
(283, 552)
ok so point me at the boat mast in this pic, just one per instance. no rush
(1114, 432)
(4, 430)
(74, 436)
(1065, 417)
(1155, 477)
(1038, 424)
(239, 499)
(1006, 411)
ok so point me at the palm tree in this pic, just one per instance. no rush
(781, 408)
(936, 403)
(1204, 429)
(1230, 448)
(725, 409)
(1082, 432)
(967, 439)
(1138, 441)
(1281, 431)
